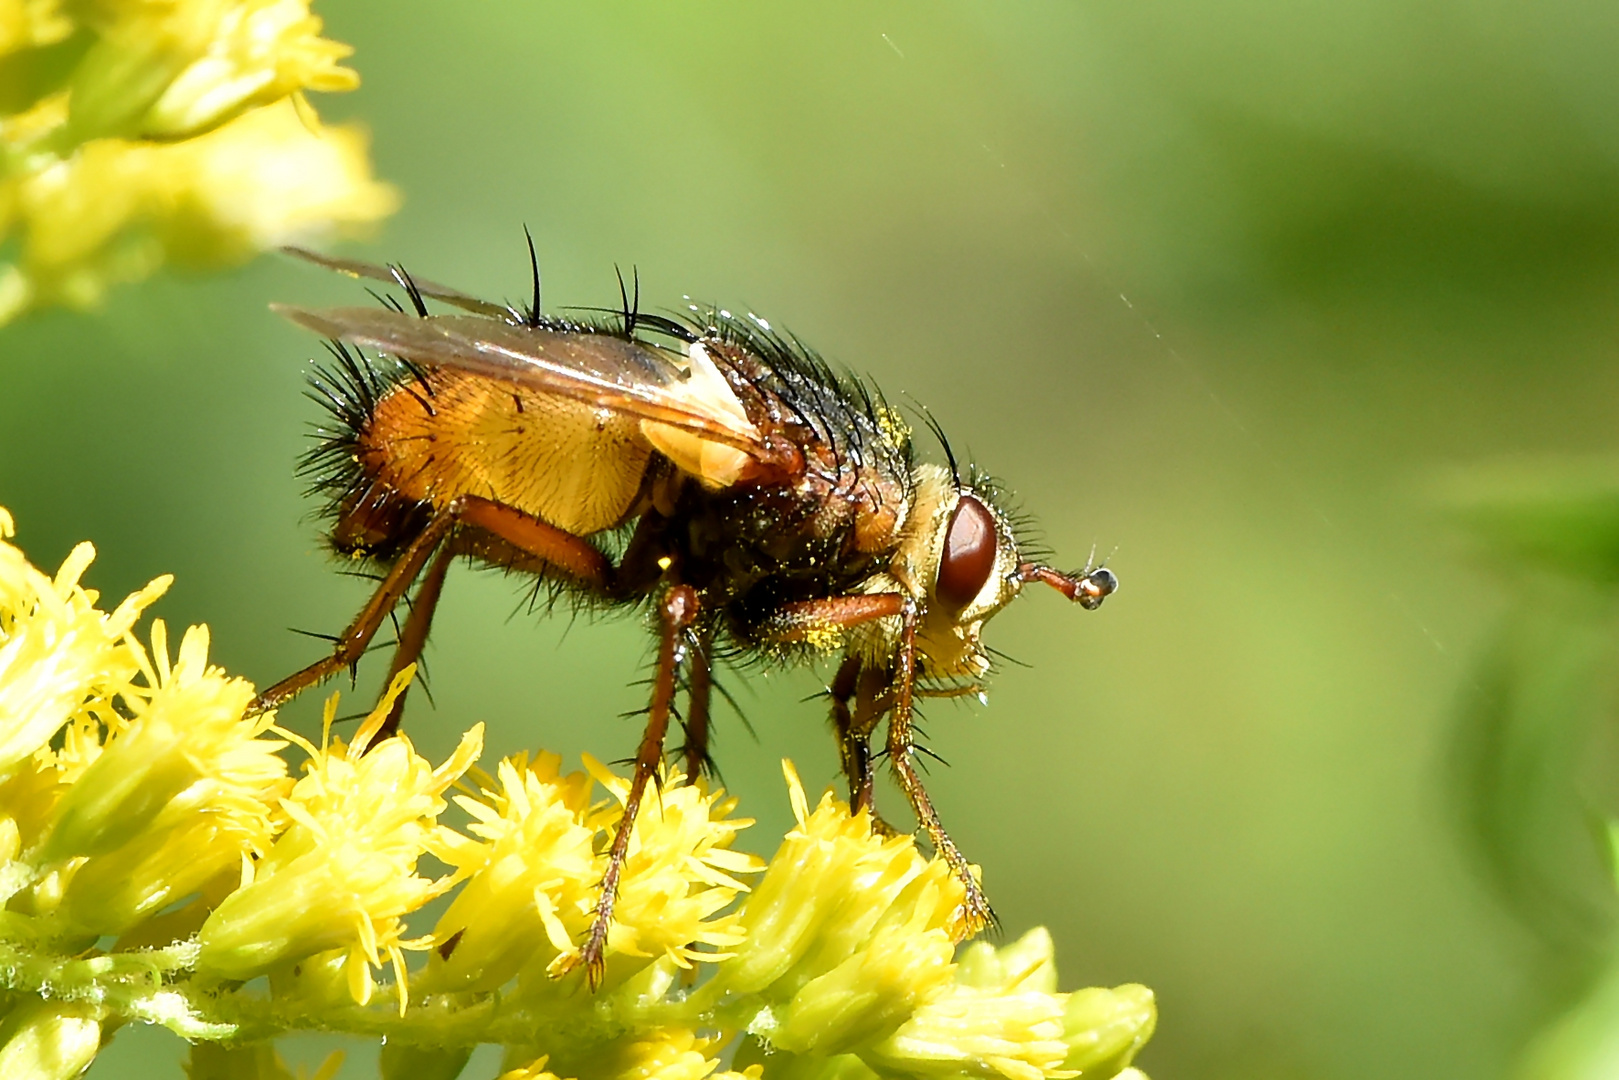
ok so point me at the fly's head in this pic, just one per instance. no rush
(960, 559)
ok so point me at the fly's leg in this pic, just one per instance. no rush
(677, 613)
(975, 910)
(699, 701)
(895, 694)
(351, 644)
(858, 702)
(552, 546)
(873, 698)
(547, 543)
(413, 637)
(868, 688)
(853, 750)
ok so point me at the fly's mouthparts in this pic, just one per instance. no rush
(1087, 588)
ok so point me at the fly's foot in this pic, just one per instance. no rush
(974, 913)
(590, 955)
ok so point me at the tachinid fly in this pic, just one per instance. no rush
(705, 466)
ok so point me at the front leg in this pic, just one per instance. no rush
(876, 691)
(854, 745)
(808, 620)
(859, 699)
(975, 910)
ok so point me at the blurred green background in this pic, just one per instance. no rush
(1218, 288)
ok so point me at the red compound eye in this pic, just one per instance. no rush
(969, 554)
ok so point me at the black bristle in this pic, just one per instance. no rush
(533, 316)
(406, 282)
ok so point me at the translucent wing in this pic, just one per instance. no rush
(431, 290)
(595, 369)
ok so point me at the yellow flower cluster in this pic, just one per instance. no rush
(136, 133)
(160, 861)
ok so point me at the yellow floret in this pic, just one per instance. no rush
(180, 132)
(140, 802)
(531, 882)
(343, 875)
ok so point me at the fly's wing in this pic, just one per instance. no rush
(687, 408)
(431, 290)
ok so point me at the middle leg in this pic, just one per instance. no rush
(699, 700)
(677, 612)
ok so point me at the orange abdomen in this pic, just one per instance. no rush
(446, 434)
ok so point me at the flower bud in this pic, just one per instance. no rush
(1105, 1029)
(872, 992)
(1026, 964)
(173, 752)
(112, 893)
(49, 1040)
(974, 1032)
(829, 889)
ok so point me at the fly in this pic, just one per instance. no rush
(705, 466)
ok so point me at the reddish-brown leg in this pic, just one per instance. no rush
(560, 549)
(893, 692)
(865, 689)
(413, 636)
(901, 757)
(854, 752)
(805, 619)
(677, 612)
(808, 618)
(351, 644)
(552, 546)
(699, 698)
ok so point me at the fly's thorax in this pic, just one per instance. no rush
(958, 560)
(448, 434)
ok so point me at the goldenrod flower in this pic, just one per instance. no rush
(1105, 1029)
(849, 931)
(663, 1054)
(343, 875)
(138, 801)
(254, 1061)
(254, 53)
(180, 133)
(45, 1040)
(183, 791)
(533, 886)
(531, 883)
(534, 1070)
(60, 657)
(1003, 1017)
(679, 870)
(31, 24)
